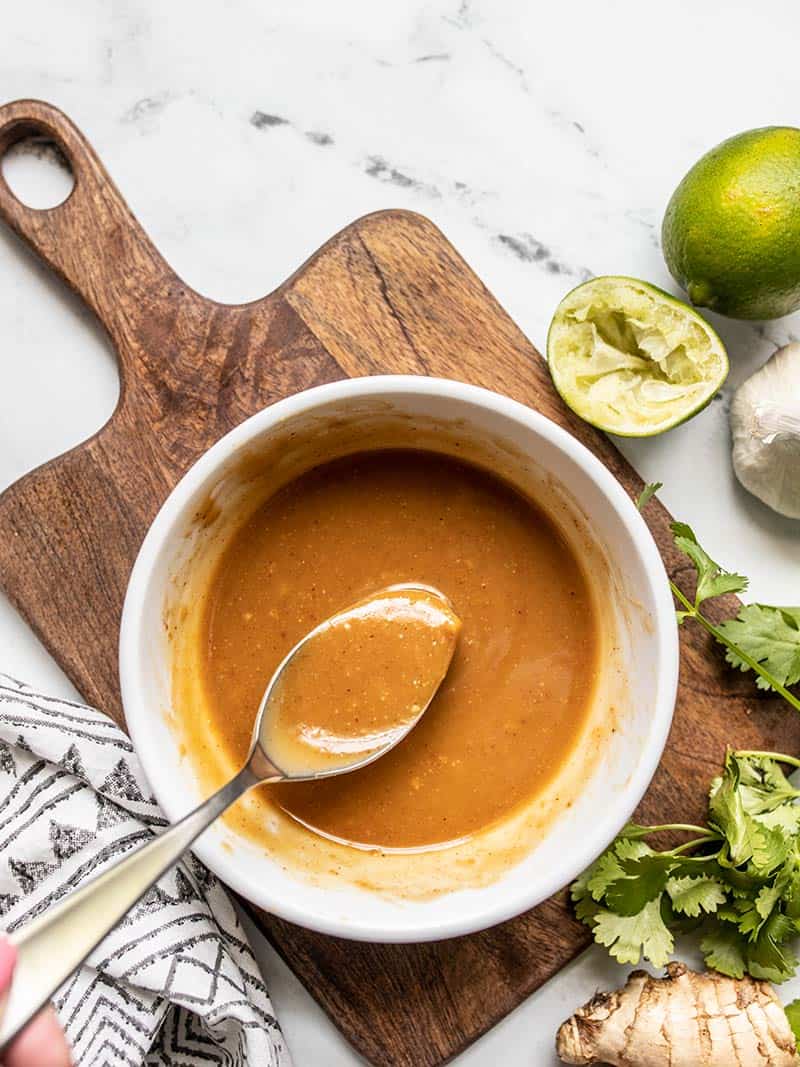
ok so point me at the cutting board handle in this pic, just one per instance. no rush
(92, 239)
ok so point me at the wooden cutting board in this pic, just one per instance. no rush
(387, 294)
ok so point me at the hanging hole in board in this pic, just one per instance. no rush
(37, 172)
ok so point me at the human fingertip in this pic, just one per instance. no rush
(8, 959)
(42, 1043)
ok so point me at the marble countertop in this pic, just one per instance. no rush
(544, 140)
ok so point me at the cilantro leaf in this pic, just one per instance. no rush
(642, 880)
(579, 890)
(629, 937)
(712, 580)
(726, 812)
(585, 906)
(762, 783)
(603, 873)
(693, 896)
(750, 922)
(647, 494)
(626, 876)
(768, 897)
(770, 849)
(786, 818)
(793, 1015)
(724, 950)
(770, 636)
(749, 838)
(769, 957)
(586, 909)
(730, 914)
(632, 848)
(791, 892)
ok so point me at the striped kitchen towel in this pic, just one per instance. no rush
(175, 983)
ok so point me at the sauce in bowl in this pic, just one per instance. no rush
(520, 687)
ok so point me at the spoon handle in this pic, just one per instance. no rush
(56, 943)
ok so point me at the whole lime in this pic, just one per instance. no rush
(731, 232)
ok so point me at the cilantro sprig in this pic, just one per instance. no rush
(761, 638)
(737, 879)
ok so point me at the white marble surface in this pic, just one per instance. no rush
(543, 139)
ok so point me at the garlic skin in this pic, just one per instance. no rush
(765, 424)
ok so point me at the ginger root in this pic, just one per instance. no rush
(683, 1020)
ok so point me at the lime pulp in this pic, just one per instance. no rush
(631, 359)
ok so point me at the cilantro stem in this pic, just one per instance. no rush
(687, 827)
(693, 612)
(778, 757)
(706, 840)
(706, 837)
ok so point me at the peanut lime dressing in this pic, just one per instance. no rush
(360, 681)
(517, 696)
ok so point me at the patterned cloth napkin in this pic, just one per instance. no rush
(176, 982)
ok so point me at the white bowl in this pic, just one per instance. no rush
(528, 448)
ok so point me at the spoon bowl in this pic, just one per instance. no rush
(420, 627)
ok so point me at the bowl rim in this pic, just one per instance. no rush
(492, 909)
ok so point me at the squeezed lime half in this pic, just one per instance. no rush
(631, 359)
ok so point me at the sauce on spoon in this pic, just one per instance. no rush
(359, 681)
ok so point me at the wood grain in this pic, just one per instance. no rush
(387, 294)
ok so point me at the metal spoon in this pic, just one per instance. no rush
(51, 947)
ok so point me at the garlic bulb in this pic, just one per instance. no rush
(765, 423)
